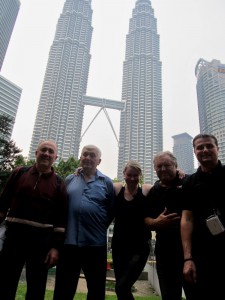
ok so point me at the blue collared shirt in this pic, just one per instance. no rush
(91, 209)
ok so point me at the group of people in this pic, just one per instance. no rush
(51, 222)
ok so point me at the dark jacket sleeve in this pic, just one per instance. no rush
(61, 210)
(7, 193)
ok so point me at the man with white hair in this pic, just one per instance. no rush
(91, 210)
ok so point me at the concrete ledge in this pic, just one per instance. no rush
(110, 279)
(143, 276)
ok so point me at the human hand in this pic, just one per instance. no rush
(78, 171)
(181, 174)
(165, 220)
(52, 258)
(189, 271)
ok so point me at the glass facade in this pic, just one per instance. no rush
(8, 14)
(60, 111)
(211, 100)
(141, 131)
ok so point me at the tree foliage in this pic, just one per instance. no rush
(8, 149)
(9, 152)
(64, 168)
(5, 126)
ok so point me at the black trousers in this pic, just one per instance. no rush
(93, 262)
(24, 246)
(128, 265)
(210, 275)
(171, 279)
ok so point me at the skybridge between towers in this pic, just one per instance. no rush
(103, 103)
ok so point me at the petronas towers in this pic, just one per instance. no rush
(141, 120)
(60, 111)
(63, 97)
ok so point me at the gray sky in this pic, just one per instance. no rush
(188, 29)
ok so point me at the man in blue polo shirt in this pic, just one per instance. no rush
(91, 210)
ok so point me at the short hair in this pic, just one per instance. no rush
(92, 147)
(133, 164)
(166, 153)
(204, 136)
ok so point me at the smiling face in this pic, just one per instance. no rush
(132, 176)
(165, 166)
(90, 158)
(46, 154)
(206, 152)
(132, 173)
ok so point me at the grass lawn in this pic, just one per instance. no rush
(79, 296)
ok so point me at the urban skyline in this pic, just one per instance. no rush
(9, 92)
(211, 100)
(141, 128)
(61, 109)
(8, 12)
(183, 42)
(184, 152)
(63, 98)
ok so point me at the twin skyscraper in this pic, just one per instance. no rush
(63, 97)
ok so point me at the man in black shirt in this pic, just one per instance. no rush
(203, 221)
(162, 214)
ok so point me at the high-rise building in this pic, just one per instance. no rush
(9, 99)
(211, 100)
(9, 92)
(60, 111)
(8, 14)
(141, 132)
(183, 150)
(63, 97)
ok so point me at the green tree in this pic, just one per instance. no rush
(22, 161)
(30, 162)
(9, 152)
(8, 149)
(5, 126)
(64, 168)
(8, 155)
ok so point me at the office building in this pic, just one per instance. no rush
(9, 99)
(8, 14)
(183, 150)
(211, 100)
(63, 97)
(9, 92)
(141, 131)
(60, 111)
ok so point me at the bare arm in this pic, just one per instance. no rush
(146, 188)
(117, 187)
(187, 223)
(186, 232)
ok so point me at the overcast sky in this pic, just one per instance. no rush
(188, 29)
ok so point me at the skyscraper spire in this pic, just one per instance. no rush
(63, 96)
(60, 110)
(141, 134)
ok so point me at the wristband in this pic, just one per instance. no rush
(187, 259)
